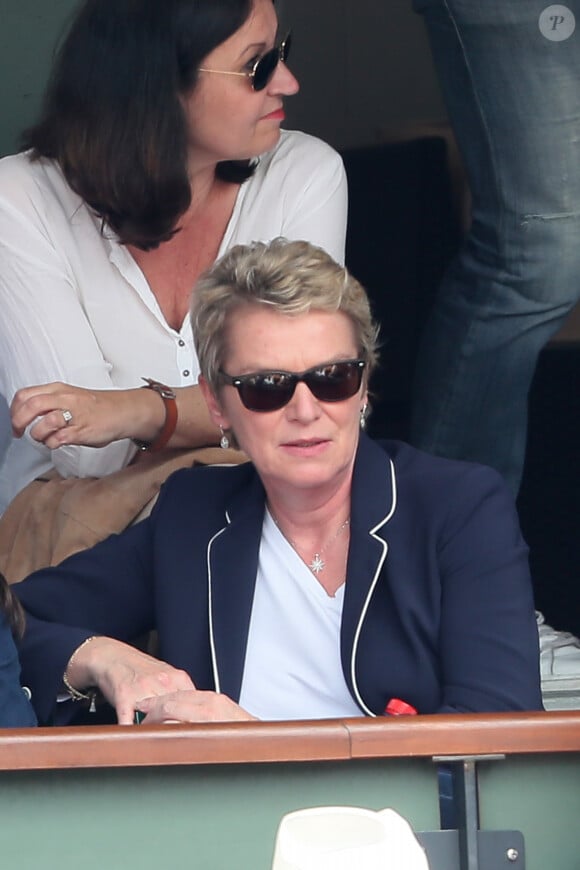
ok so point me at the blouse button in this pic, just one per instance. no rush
(181, 343)
(186, 373)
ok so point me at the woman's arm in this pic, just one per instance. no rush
(302, 195)
(100, 417)
(45, 334)
(489, 648)
(48, 334)
(320, 211)
(107, 590)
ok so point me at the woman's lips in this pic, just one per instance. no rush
(276, 115)
(308, 446)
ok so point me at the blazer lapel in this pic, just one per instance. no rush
(232, 559)
(373, 505)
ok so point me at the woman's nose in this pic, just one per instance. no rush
(303, 406)
(283, 81)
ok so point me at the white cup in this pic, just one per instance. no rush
(346, 838)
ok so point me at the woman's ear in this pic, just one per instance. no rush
(213, 404)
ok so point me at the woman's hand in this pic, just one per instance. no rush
(97, 417)
(191, 706)
(124, 675)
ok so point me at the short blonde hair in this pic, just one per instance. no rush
(289, 277)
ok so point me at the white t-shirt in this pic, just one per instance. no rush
(292, 668)
(75, 307)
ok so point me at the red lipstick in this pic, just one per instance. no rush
(276, 115)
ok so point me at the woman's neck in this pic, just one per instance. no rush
(319, 532)
(203, 185)
(308, 517)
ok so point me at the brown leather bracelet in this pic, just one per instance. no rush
(169, 400)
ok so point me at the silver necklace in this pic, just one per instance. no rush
(317, 565)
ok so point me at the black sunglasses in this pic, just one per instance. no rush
(270, 391)
(265, 66)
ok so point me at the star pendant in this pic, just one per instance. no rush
(318, 564)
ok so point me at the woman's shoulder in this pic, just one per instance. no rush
(18, 171)
(208, 495)
(209, 484)
(17, 178)
(432, 476)
(301, 151)
(440, 493)
(27, 183)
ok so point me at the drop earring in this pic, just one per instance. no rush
(224, 440)
(363, 416)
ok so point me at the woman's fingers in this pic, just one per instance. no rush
(123, 674)
(62, 414)
(191, 706)
(131, 680)
(32, 402)
(55, 428)
(131, 689)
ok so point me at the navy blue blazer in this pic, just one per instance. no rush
(15, 708)
(438, 607)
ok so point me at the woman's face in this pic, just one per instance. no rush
(228, 120)
(308, 444)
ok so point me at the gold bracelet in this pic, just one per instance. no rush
(74, 693)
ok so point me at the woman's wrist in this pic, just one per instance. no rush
(144, 415)
(163, 436)
(82, 670)
(78, 688)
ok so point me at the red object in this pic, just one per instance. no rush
(396, 707)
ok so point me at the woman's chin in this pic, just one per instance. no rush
(268, 138)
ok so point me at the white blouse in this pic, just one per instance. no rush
(75, 307)
(292, 667)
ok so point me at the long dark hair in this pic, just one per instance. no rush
(11, 608)
(112, 116)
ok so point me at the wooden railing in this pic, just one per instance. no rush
(328, 740)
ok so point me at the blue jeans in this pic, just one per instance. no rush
(512, 90)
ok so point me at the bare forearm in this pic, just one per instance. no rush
(99, 417)
(194, 427)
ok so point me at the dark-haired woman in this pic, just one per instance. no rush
(159, 148)
(15, 707)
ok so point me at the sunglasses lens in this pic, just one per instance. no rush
(268, 392)
(267, 64)
(285, 48)
(335, 382)
(265, 69)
